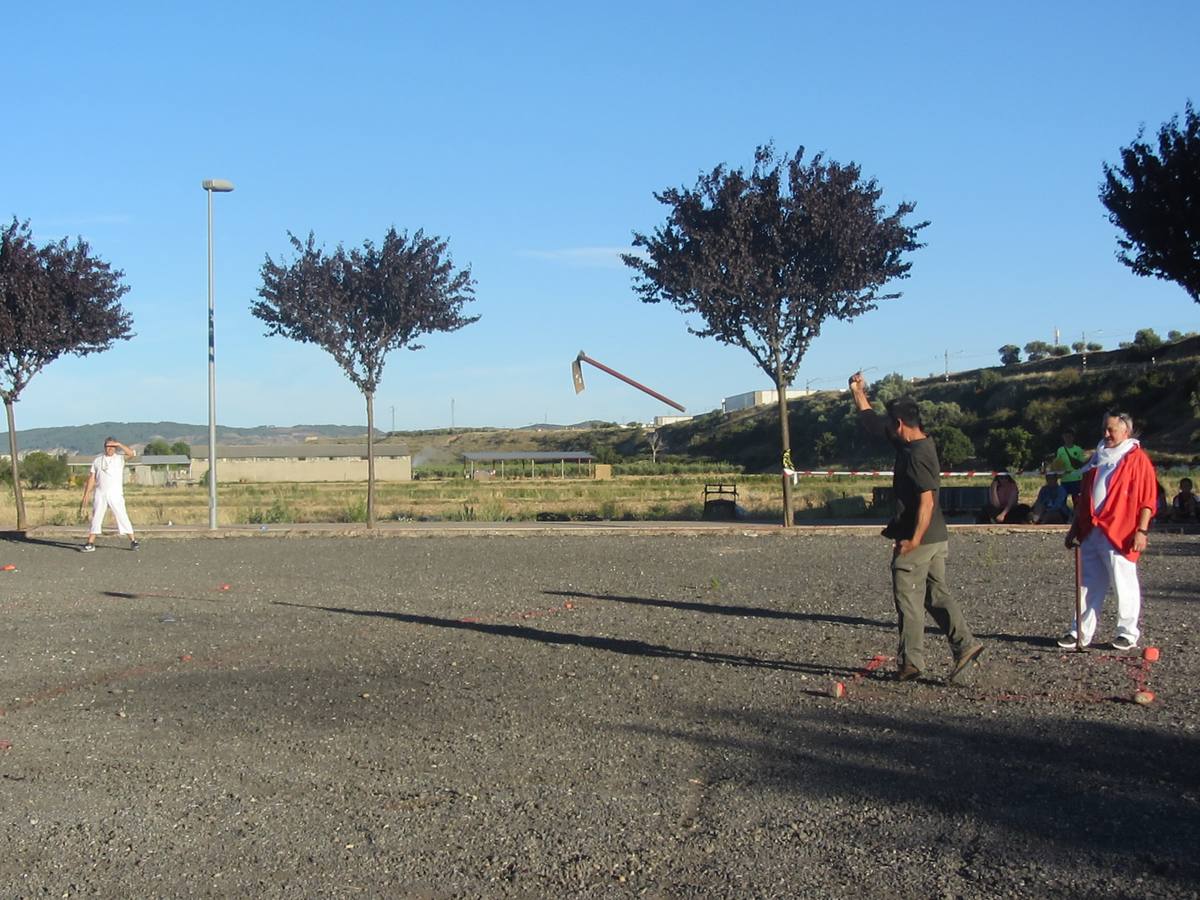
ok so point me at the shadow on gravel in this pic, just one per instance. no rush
(1041, 641)
(19, 537)
(725, 610)
(1179, 548)
(1124, 797)
(125, 595)
(610, 645)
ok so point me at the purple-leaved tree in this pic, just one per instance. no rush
(54, 300)
(361, 304)
(765, 258)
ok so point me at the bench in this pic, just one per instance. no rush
(720, 502)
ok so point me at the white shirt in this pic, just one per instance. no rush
(110, 473)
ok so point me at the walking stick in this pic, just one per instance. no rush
(1078, 600)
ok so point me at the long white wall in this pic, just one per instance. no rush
(393, 468)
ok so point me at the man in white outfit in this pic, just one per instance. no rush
(107, 481)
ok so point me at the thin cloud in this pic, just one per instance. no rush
(589, 257)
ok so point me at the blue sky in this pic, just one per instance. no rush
(532, 136)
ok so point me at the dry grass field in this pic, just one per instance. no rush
(653, 498)
(456, 499)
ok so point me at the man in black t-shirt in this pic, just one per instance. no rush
(919, 537)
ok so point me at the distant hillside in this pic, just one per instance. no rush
(1160, 389)
(87, 438)
(441, 444)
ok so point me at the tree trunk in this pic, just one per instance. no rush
(16, 470)
(786, 442)
(371, 460)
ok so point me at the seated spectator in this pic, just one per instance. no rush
(1050, 508)
(1185, 508)
(1002, 506)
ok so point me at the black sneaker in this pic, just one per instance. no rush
(133, 545)
(908, 672)
(1124, 642)
(963, 662)
(1068, 642)
(88, 548)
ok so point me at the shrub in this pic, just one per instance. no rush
(355, 511)
(276, 513)
(1046, 416)
(1065, 379)
(988, 379)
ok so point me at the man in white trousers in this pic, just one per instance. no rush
(106, 481)
(1117, 499)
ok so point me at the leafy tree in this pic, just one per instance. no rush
(1154, 198)
(936, 412)
(765, 258)
(954, 447)
(1060, 350)
(1079, 346)
(181, 448)
(1009, 448)
(1010, 355)
(41, 470)
(605, 454)
(361, 304)
(1093, 347)
(824, 447)
(1147, 339)
(156, 447)
(54, 300)
(891, 386)
(1036, 350)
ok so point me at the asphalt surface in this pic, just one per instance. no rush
(582, 713)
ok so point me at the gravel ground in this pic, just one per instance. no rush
(579, 716)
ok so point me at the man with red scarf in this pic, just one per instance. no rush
(1117, 499)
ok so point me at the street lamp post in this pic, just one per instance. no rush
(212, 186)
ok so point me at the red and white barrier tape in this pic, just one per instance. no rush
(813, 473)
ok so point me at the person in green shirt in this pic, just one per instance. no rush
(1068, 462)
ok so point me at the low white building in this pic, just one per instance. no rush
(759, 398)
(303, 462)
(149, 470)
